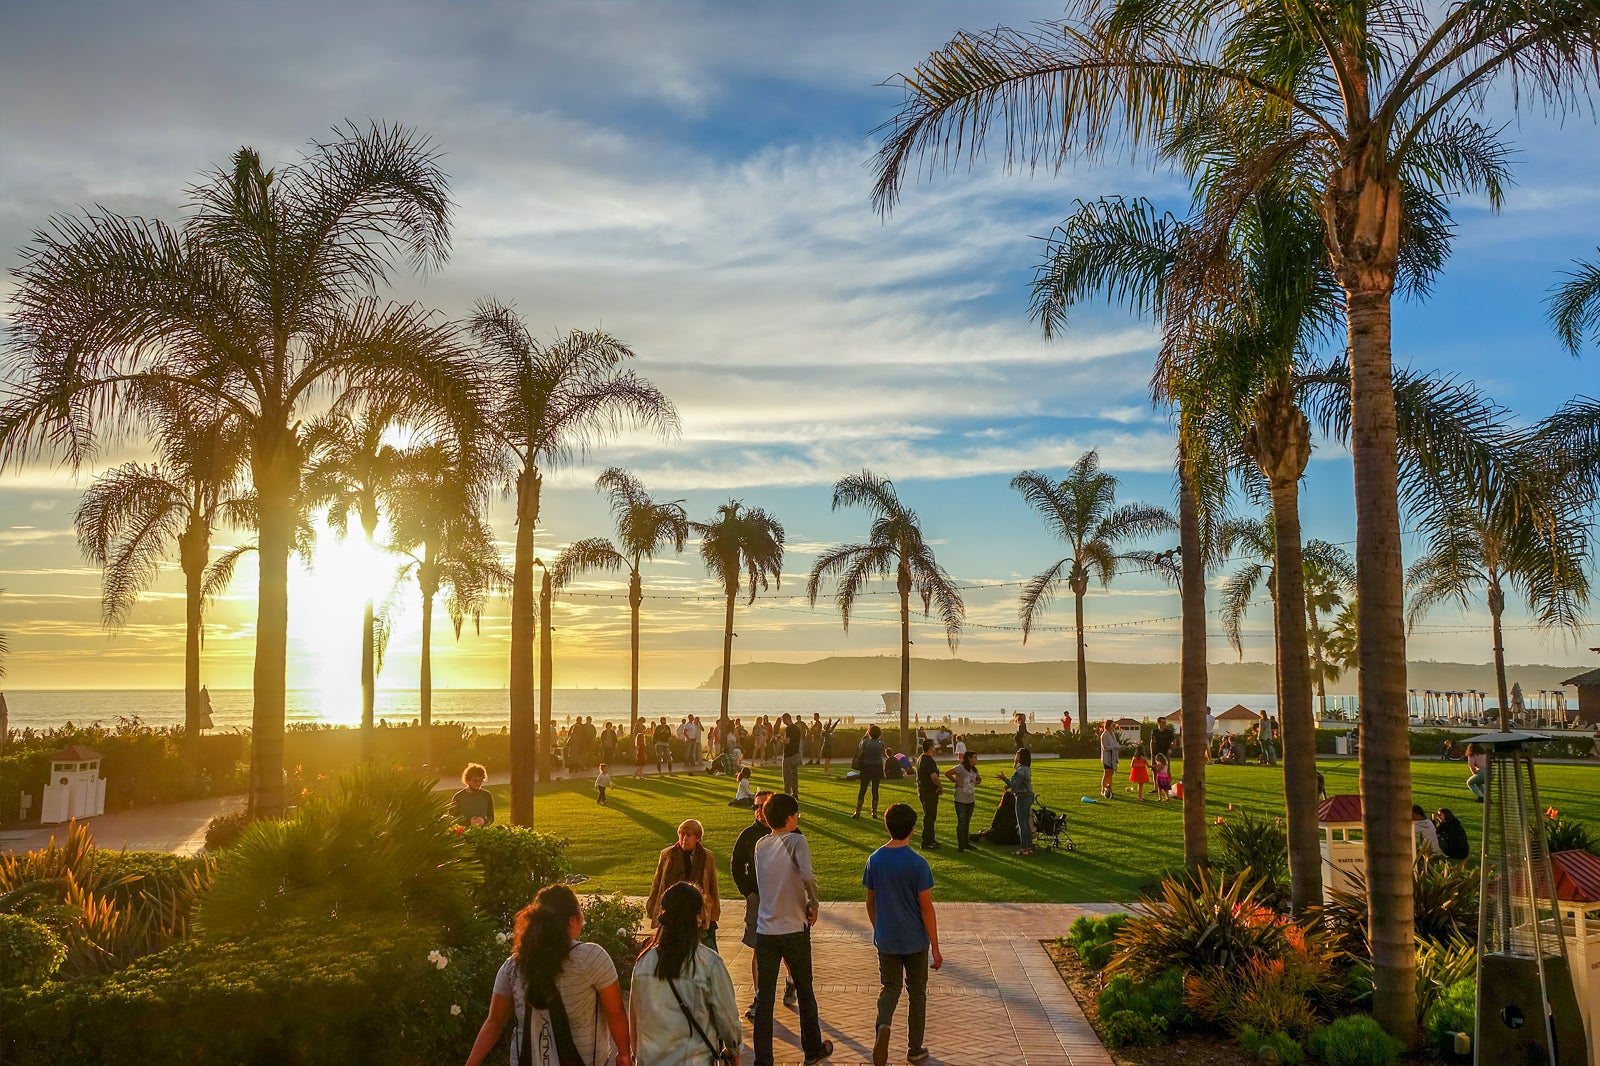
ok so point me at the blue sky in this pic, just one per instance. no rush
(693, 177)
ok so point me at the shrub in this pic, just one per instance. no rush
(613, 923)
(226, 828)
(1094, 939)
(30, 951)
(1290, 1052)
(1566, 834)
(1200, 923)
(517, 862)
(1455, 1010)
(1445, 896)
(1356, 1040)
(1267, 995)
(1161, 999)
(1257, 845)
(1128, 1028)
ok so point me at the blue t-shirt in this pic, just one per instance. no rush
(897, 876)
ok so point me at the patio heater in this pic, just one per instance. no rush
(1527, 1011)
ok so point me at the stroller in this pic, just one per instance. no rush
(1050, 828)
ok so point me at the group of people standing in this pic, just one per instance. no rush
(563, 998)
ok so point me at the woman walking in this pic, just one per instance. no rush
(688, 860)
(559, 993)
(682, 1002)
(870, 765)
(1021, 784)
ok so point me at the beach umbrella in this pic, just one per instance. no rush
(1517, 706)
(205, 708)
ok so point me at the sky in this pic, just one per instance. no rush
(693, 177)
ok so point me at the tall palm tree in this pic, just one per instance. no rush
(136, 516)
(1081, 511)
(737, 544)
(1353, 97)
(894, 549)
(351, 467)
(546, 405)
(436, 526)
(261, 303)
(644, 527)
(1330, 582)
(1482, 551)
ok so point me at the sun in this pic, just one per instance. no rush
(326, 603)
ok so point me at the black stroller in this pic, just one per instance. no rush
(1050, 829)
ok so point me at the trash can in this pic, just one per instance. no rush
(1341, 744)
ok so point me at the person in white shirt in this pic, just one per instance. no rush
(682, 1001)
(1426, 833)
(788, 890)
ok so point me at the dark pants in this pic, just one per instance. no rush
(795, 950)
(709, 937)
(964, 824)
(602, 797)
(930, 814)
(791, 775)
(911, 972)
(870, 775)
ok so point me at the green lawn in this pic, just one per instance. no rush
(1122, 845)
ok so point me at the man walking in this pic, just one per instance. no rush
(742, 865)
(929, 787)
(793, 736)
(788, 890)
(899, 885)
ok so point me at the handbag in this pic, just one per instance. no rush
(720, 1055)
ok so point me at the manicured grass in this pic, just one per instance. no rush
(1123, 845)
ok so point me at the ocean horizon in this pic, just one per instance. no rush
(486, 709)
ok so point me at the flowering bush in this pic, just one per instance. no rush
(613, 923)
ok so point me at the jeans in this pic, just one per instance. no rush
(870, 775)
(964, 824)
(930, 814)
(791, 775)
(1025, 819)
(911, 971)
(795, 950)
(694, 752)
(1478, 783)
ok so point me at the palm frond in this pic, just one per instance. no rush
(592, 553)
(1038, 593)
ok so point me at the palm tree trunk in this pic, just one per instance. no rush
(635, 598)
(194, 580)
(727, 661)
(1083, 667)
(276, 479)
(1319, 663)
(524, 739)
(368, 683)
(1497, 606)
(546, 670)
(1380, 606)
(905, 665)
(425, 693)
(1193, 681)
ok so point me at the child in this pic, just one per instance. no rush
(1163, 778)
(602, 781)
(746, 796)
(1139, 771)
(641, 750)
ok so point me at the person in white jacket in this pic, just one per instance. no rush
(682, 1002)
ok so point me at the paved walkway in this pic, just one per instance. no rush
(997, 1000)
(174, 827)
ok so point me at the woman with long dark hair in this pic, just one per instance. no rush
(560, 993)
(869, 763)
(682, 1002)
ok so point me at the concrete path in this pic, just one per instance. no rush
(998, 998)
(174, 827)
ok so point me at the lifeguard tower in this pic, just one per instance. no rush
(75, 788)
(1344, 850)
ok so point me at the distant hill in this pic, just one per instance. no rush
(881, 673)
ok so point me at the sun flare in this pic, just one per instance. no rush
(326, 603)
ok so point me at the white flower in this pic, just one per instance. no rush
(455, 1008)
(438, 958)
(501, 938)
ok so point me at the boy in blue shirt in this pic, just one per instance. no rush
(899, 886)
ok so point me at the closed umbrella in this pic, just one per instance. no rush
(205, 709)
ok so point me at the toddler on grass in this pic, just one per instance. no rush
(602, 781)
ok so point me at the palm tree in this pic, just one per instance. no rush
(262, 304)
(350, 469)
(1490, 548)
(436, 526)
(739, 543)
(546, 405)
(1351, 99)
(1330, 581)
(135, 516)
(894, 549)
(644, 527)
(1081, 512)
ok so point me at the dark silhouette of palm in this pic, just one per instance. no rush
(547, 404)
(644, 528)
(737, 545)
(895, 550)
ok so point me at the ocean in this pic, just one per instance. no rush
(485, 709)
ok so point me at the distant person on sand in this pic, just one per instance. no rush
(1066, 721)
(473, 805)
(905, 930)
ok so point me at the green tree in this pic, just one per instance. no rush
(262, 304)
(1350, 99)
(136, 516)
(547, 404)
(1081, 511)
(1330, 583)
(737, 544)
(895, 549)
(644, 528)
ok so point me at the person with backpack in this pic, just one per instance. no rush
(559, 992)
(682, 1002)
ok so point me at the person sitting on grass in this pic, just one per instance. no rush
(892, 770)
(688, 860)
(746, 795)
(682, 1000)
(473, 805)
(905, 930)
(1452, 835)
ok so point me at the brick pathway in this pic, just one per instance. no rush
(997, 1000)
